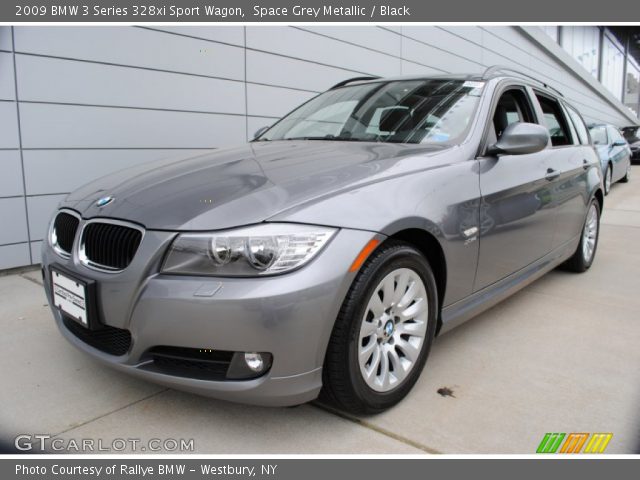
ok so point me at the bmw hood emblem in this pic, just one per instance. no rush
(104, 201)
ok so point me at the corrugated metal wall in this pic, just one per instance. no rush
(91, 100)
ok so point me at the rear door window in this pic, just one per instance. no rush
(555, 121)
(578, 123)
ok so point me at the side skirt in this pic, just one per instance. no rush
(476, 303)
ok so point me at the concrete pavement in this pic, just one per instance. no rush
(560, 356)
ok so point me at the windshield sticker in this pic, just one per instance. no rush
(439, 137)
(472, 84)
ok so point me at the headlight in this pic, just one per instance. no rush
(264, 249)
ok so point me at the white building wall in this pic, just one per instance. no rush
(91, 100)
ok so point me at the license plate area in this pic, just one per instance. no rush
(73, 297)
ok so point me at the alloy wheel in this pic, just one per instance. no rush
(590, 234)
(393, 330)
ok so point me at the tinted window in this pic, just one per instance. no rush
(572, 128)
(512, 107)
(555, 121)
(631, 134)
(581, 129)
(615, 135)
(599, 135)
(436, 111)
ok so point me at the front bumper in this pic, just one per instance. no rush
(290, 316)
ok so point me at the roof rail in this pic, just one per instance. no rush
(354, 79)
(501, 68)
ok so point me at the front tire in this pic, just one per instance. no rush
(383, 333)
(585, 253)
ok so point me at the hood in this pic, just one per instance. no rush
(240, 186)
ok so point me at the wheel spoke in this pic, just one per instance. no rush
(409, 296)
(368, 329)
(399, 370)
(388, 290)
(372, 368)
(383, 378)
(414, 310)
(401, 287)
(366, 351)
(375, 305)
(416, 328)
(409, 350)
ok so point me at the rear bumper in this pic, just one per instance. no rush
(290, 316)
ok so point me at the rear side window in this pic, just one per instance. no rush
(599, 135)
(615, 135)
(555, 121)
(572, 128)
(578, 123)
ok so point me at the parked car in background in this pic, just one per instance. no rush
(632, 136)
(326, 255)
(614, 153)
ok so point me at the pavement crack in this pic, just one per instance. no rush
(622, 210)
(375, 428)
(91, 420)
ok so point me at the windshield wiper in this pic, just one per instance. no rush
(332, 138)
(307, 138)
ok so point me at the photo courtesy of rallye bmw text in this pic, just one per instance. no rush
(282, 239)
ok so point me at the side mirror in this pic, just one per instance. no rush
(521, 138)
(618, 143)
(260, 131)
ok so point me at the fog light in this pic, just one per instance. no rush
(254, 361)
(246, 365)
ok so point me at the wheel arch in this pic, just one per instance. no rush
(599, 196)
(427, 243)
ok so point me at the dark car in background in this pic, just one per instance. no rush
(614, 153)
(632, 136)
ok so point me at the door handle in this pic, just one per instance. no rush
(551, 174)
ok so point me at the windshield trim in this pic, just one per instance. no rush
(461, 139)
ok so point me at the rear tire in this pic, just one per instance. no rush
(584, 255)
(627, 176)
(393, 304)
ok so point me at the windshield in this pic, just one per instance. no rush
(435, 111)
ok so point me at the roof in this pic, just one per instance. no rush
(493, 72)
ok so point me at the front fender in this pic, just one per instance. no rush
(443, 201)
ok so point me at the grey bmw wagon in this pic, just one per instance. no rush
(322, 258)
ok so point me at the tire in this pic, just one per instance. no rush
(607, 180)
(627, 176)
(345, 384)
(583, 257)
